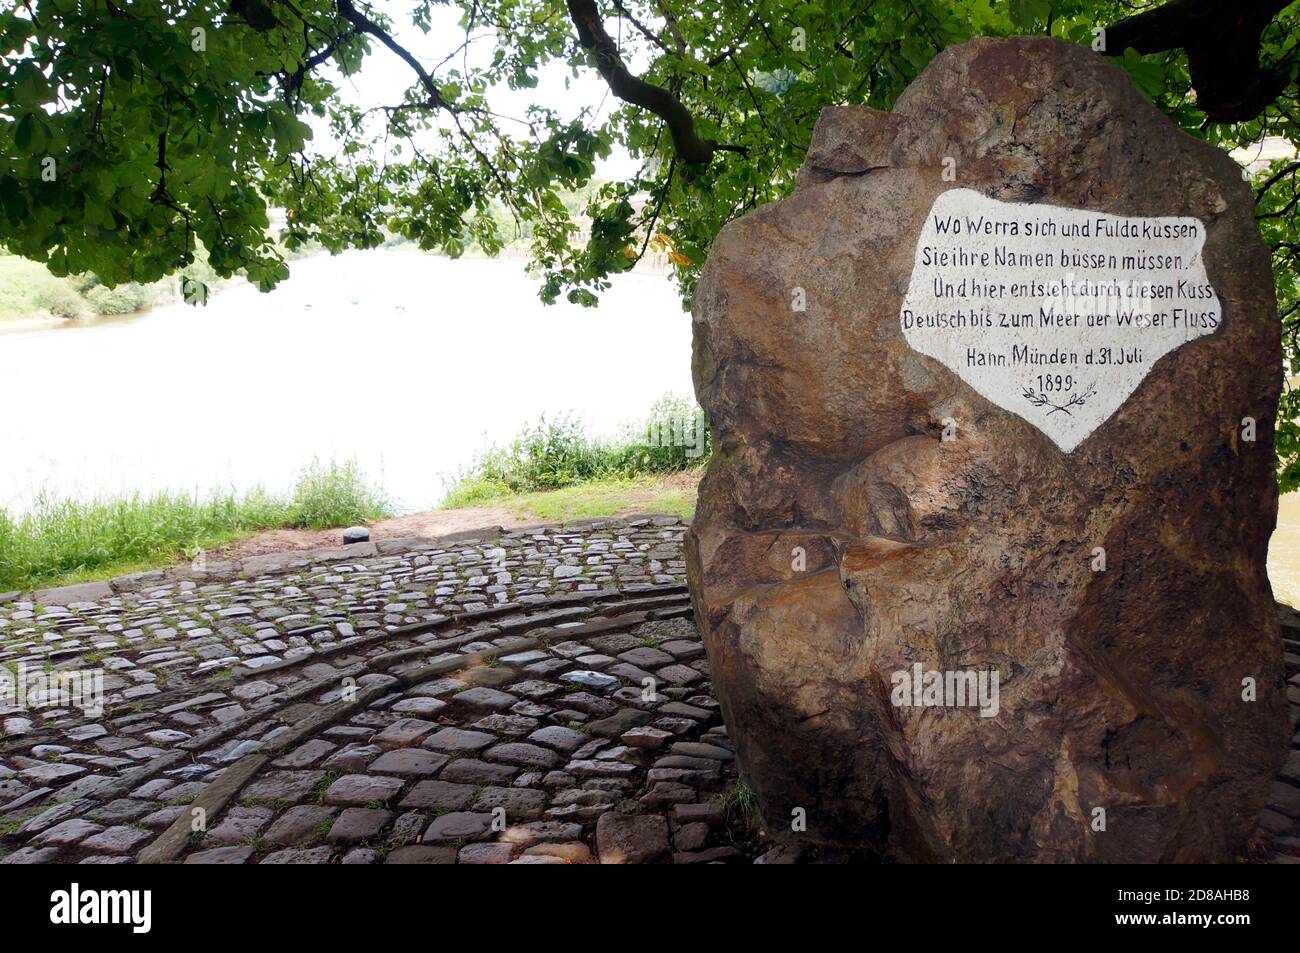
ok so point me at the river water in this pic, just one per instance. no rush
(409, 363)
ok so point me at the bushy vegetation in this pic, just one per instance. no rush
(124, 299)
(58, 297)
(559, 453)
(28, 290)
(59, 540)
(334, 495)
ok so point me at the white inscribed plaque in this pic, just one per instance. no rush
(1055, 314)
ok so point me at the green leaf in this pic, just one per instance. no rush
(29, 135)
(1147, 73)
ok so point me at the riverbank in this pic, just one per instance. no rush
(32, 299)
(669, 495)
(552, 471)
(672, 494)
(170, 533)
(67, 541)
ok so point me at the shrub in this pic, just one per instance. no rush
(544, 456)
(335, 495)
(674, 436)
(60, 300)
(556, 453)
(124, 299)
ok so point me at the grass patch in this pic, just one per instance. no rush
(739, 804)
(673, 495)
(742, 817)
(10, 825)
(334, 495)
(68, 541)
(317, 793)
(559, 453)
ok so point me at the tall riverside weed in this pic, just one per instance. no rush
(62, 537)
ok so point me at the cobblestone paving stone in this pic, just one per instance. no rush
(538, 696)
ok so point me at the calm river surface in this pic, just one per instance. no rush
(410, 363)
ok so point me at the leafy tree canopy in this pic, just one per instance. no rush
(134, 132)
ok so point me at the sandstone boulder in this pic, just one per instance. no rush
(840, 538)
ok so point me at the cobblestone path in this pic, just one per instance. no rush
(534, 696)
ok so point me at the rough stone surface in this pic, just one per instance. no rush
(1120, 689)
(631, 838)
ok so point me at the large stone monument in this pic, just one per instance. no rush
(980, 556)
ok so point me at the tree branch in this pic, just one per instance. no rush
(95, 122)
(687, 144)
(735, 44)
(363, 24)
(1222, 42)
(1276, 177)
(642, 28)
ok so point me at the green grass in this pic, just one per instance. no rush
(59, 542)
(739, 803)
(559, 453)
(317, 793)
(743, 819)
(669, 495)
(551, 472)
